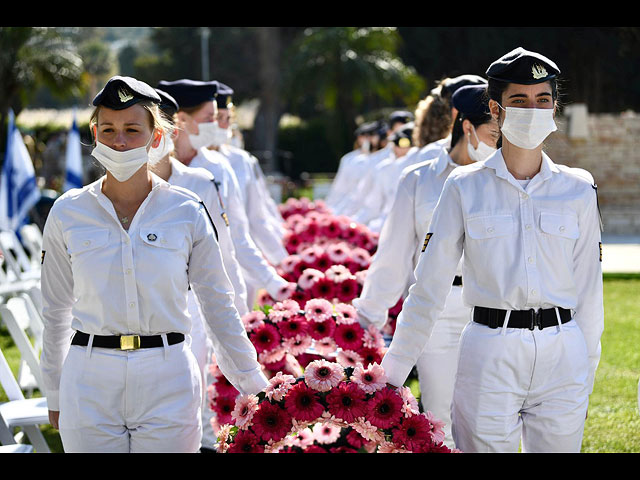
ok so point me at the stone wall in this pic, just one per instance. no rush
(608, 146)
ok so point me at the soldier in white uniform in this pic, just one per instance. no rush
(391, 272)
(118, 258)
(530, 233)
(197, 114)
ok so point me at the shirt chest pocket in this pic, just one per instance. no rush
(490, 226)
(164, 239)
(81, 241)
(558, 224)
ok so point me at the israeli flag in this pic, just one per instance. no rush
(18, 189)
(73, 176)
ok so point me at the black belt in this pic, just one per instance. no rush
(126, 342)
(457, 281)
(542, 318)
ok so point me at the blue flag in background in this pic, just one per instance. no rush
(73, 176)
(18, 189)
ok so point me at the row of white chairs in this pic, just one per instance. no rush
(20, 306)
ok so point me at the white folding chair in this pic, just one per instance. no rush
(32, 241)
(17, 448)
(23, 321)
(19, 266)
(20, 413)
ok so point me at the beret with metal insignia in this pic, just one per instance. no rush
(189, 93)
(168, 104)
(367, 128)
(523, 67)
(223, 98)
(403, 136)
(122, 92)
(471, 101)
(400, 116)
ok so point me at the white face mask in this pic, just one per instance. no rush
(122, 165)
(528, 127)
(482, 152)
(209, 133)
(165, 147)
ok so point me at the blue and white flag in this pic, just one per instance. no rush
(73, 176)
(18, 189)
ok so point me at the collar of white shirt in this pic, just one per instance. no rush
(496, 162)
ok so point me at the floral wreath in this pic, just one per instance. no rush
(331, 409)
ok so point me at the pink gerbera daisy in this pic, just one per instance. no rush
(253, 320)
(372, 338)
(369, 379)
(414, 432)
(338, 253)
(318, 309)
(324, 288)
(346, 313)
(308, 277)
(322, 375)
(348, 358)
(325, 346)
(298, 344)
(348, 336)
(278, 386)
(271, 422)
(410, 404)
(288, 263)
(338, 273)
(303, 403)
(437, 428)
(246, 407)
(347, 402)
(265, 338)
(245, 442)
(385, 408)
(325, 433)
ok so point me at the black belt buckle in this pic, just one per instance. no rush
(536, 317)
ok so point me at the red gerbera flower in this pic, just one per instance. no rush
(303, 403)
(385, 408)
(314, 449)
(322, 263)
(413, 433)
(349, 336)
(347, 401)
(223, 406)
(292, 242)
(346, 290)
(295, 325)
(265, 338)
(319, 330)
(271, 422)
(246, 442)
(356, 440)
(323, 288)
(300, 296)
(369, 356)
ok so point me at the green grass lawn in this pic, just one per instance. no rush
(613, 424)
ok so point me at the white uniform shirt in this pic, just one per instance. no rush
(100, 279)
(391, 271)
(200, 181)
(341, 184)
(266, 237)
(249, 256)
(523, 249)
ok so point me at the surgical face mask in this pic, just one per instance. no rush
(222, 136)
(209, 133)
(482, 152)
(528, 127)
(122, 165)
(366, 146)
(165, 147)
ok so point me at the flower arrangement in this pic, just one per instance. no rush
(331, 409)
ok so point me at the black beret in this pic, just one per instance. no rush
(471, 101)
(403, 136)
(523, 67)
(401, 116)
(223, 98)
(450, 85)
(367, 128)
(189, 93)
(122, 92)
(168, 104)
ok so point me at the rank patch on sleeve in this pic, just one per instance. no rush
(42, 257)
(426, 241)
(600, 244)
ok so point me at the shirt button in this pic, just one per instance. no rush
(132, 304)
(525, 196)
(528, 226)
(530, 260)
(490, 229)
(533, 292)
(561, 229)
(87, 243)
(128, 271)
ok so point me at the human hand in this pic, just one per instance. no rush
(54, 417)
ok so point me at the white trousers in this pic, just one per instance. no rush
(145, 400)
(518, 384)
(438, 363)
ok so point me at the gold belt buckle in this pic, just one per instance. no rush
(129, 342)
